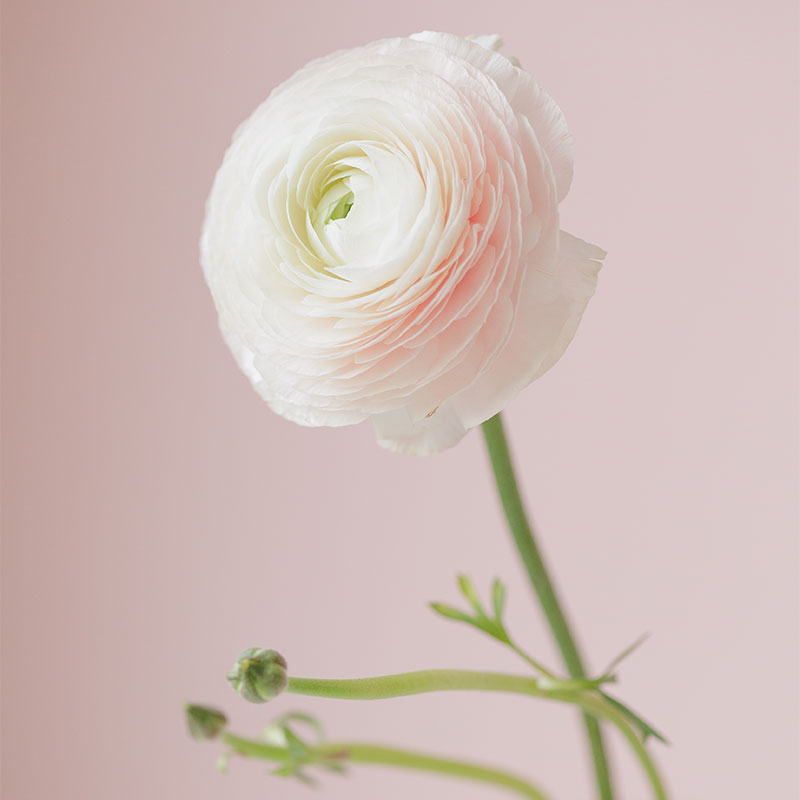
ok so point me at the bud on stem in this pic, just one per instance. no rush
(259, 675)
(205, 723)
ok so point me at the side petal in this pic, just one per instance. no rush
(546, 322)
(579, 267)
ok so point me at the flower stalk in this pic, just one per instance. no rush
(524, 538)
(358, 753)
(403, 684)
(580, 692)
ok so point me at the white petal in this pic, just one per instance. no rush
(440, 430)
(491, 41)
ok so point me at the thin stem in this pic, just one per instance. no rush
(535, 664)
(603, 708)
(402, 684)
(522, 532)
(420, 682)
(437, 680)
(391, 757)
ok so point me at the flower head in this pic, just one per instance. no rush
(382, 240)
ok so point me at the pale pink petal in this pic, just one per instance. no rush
(542, 332)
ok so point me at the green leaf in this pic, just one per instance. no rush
(494, 627)
(481, 623)
(298, 754)
(468, 590)
(298, 749)
(646, 730)
(451, 613)
(294, 771)
(304, 777)
(498, 598)
(307, 719)
(625, 653)
(491, 627)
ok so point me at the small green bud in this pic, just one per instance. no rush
(205, 723)
(259, 675)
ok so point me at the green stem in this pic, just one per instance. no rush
(535, 664)
(603, 708)
(391, 757)
(438, 680)
(420, 682)
(403, 684)
(522, 532)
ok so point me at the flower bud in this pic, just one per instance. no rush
(259, 675)
(205, 723)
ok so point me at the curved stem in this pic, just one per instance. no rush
(402, 684)
(438, 680)
(522, 532)
(603, 708)
(392, 757)
(384, 687)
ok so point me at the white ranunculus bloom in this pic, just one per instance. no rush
(382, 240)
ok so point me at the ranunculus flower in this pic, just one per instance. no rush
(382, 240)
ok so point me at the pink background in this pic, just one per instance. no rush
(158, 518)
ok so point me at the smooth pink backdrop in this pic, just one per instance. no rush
(158, 518)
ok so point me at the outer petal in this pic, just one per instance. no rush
(544, 327)
(397, 431)
(524, 94)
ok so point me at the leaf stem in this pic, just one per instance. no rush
(438, 680)
(535, 664)
(525, 541)
(392, 757)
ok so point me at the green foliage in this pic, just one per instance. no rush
(494, 626)
(299, 753)
(491, 624)
(625, 653)
(645, 729)
(498, 598)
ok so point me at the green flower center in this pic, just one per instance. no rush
(342, 208)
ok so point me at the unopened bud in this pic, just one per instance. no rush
(259, 675)
(205, 723)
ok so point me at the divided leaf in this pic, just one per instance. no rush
(493, 626)
(626, 652)
(498, 598)
(451, 613)
(468, 590)
(299, 754)
(646, 730)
